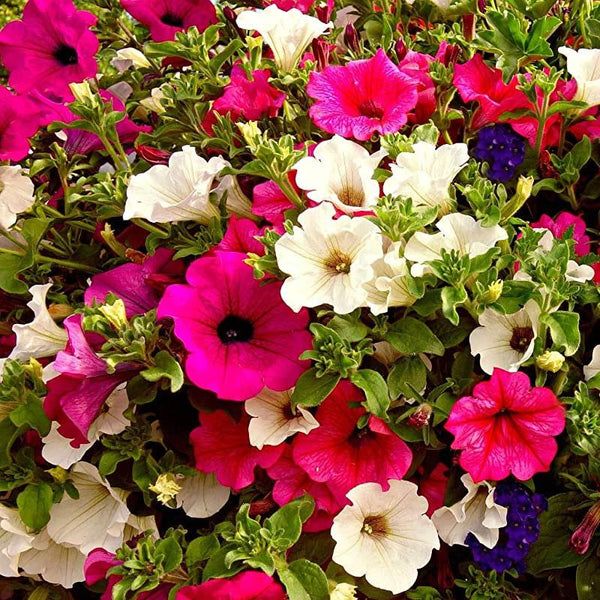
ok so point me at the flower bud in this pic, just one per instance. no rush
(351, 37)
(343, 591)
(493, 292)
(250, 132)
(154, 156)
(166, 487)
(580, 540)
(82, 91)
(468, 27)
(320, 49)
(400, 48)
(421, 417)
(550, 361)
(115, 313)
(59, 474)
(60, 311)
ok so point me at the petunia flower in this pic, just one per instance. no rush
(328, 260)
(16, 194)
(19, 121)
(240, 236)
(165, 18)
(384, 535)
(342, 455)
(425, 174)
(250, 585)
(506, 427)
(341, 172)
(239, 335)
(362, 97)
(222, 446)
(561, 224)
(505, 341)
(201, 496)
(584, 66)
(475, 513)
(14, 539)
(287, 32)
(270, 202)
(51, 47)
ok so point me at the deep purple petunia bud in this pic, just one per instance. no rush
(400, 48)
(580, 540)
(351, 37)
(320, 49)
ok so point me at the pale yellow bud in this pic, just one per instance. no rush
(115, 313)
(493, 292)
(82, 91)
(59, 474)
(250, 132)
(550, 361)
(165, 487)
(343, 591)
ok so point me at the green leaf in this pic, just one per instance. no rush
(201, 549)
(8, 435)
(311, 390)
(587, 578)
(34, 504)
(407, 370)
(287, 521)
(349, 327)
(375, 389)
(165, 367)
(453, 297)
(216, 567)
(411, 336)
(171, 553)
(304, 580)
(109, 461)
(31, 413)
(564, 329)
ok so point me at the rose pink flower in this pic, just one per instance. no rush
(416, 66)
(240, 237)
(433, 487)
(239, 334)
(506, 427)
(343, 456)
(559, 226)
(250, 585)
(222, 446)
(19, 120)
(270, 202)
(362, 97)
(51, 47)
(165, 18)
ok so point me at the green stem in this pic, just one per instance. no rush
(149, 227)
(69, 264)
(541, 118)
(288, 189)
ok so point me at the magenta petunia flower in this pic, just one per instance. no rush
(270, 202)
(560, 225)
(506, 427)
(50, 48)
(75, 398)
(343, 456)
(250, 585)
(240, 236)
(362, 97)
(165, 18)
(222, 446)
(239, 334)
(19, 120)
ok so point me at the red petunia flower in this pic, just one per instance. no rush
(250, 585)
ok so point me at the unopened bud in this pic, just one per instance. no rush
(421, 417)
(351, 38)
(400, 49)
(580, 540)
(320, 50)
(115, 313)
(343, 591)
(493, 292)
(468, 27)
(522, 193)
(482, 5)
(550, 361)
(82, 91)
(154, 156)
(250, 132)
(59, 474)
(60, 311)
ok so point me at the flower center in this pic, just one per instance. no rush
(521, 338)
(66, 55)
(338, 262)
(370, 109)
(351, 196)
(375, 526)
(235, 329)
(172, 20)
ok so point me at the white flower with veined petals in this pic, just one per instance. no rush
(584, 66)
(14, 539)
(458, 232)
(16, 194)
(129, 57)
(42, 336)
(505, 341)
(593, 368)
(425, 174)
(328, 260)
(97, 519)
(384, 536)
(476, 513)
(341, 172)
(178, 192)
(287, 32)
(389, 286)
(201, 496)
(273, 420)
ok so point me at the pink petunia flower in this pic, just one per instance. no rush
(362, 97)
(19, 120)
(433, 487)
(50, 48)
(559, 226)
(250, 585)
(239, 334)
(240, 236)
(222, 446)
(506, 427)
(416, 66)
(76, 397)
(270, 202)
(165, 18)
(343, 456)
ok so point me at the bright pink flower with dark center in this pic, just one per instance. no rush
(222, 446)
(270, 203)
(362, 97)
(564, 221)
(506, 427)
(477, 82)
(50, 48)
(239, 334)
(19, 120)
(76, 397)
(165, 18)
(250, 585)
(343, 456)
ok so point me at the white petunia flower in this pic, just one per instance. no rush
(425, 174)
(42, 337)
(476, 513)
(14, 539)
(287, 32)
(96, 520)
(201, 496)
(384, 536)
(328, 260)
(273, 420)
(341, 172)
(16, 194)
(154, 101)
(584, 66)
(593, 368)
(129, 57)
(57, 450)
(178, 192)
(389, 286)
(237, 202)
(505, 341)
(458, 232)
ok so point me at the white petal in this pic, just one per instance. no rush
(202, 496)
(16, 194)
